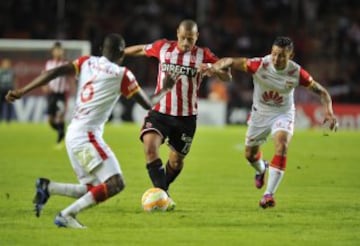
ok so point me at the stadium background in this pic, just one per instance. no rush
(217, 203)
(326, 35)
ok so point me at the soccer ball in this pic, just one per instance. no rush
(155, 199)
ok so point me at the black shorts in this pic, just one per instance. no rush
(179, 130)
(56, 103)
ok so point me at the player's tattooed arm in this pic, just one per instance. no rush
(237, 63)
(321, 91)
(223, 63)
(326, 102)
(222, 67)
(208, 69)
(223, 74)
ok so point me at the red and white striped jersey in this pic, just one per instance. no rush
(59, 84)
(100, 83)
(182, 99)
(274, 89)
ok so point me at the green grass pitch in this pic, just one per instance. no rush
(217, 204)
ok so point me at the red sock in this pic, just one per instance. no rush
(99, 192)
(278, 162)
(89, 187)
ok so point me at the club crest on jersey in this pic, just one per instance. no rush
(272, 97)
(178, 69)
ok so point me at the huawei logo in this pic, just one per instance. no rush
(274, 96)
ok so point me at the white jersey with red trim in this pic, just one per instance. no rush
(100, 83)
(274, 89)
(59, 84)
(182, 99)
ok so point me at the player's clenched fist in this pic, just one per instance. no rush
(13, 95)
(207, 69)
(170, 80)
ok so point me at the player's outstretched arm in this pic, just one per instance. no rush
(207, 69)
(327, 103)
(148, 102)
(42, 79)
(237, 63)
(223, 74)
(141, 98)
(222, 67)
(135, 50)
(168, 83)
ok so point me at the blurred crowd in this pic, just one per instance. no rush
(326, 34)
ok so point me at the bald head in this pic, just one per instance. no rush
(187, 34)
(188, 25)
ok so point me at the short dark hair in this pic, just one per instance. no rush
(57, 44)
(284, 42)
(113, 46)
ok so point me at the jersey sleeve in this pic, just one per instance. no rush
(153, 49)
(129, 85)
(78, 63)
(253, 64)
(209, 57)
(305, 78)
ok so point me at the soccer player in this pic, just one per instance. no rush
(100, 82)
(275, 77)
(174, 118)
(57, 91)
(7, 82)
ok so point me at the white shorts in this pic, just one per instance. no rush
(91, 158)
(261, 126)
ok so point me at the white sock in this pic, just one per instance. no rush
(71, 190)
(83, 202)
(275, 177)
(259, 166)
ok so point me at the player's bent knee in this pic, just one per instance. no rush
(177, 165)
(281, 147)
(120, 184)
(252, 154)
(151, 153)
(176, 159)
(249, 156)
(115, 184)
